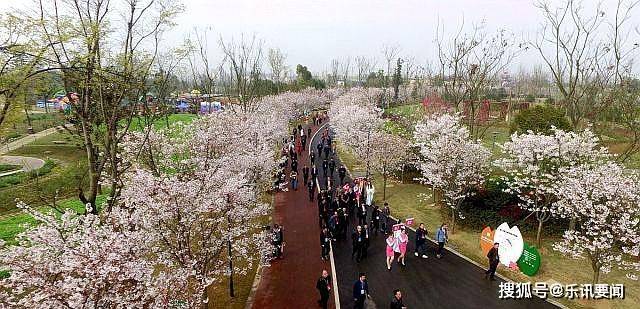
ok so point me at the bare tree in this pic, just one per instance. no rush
(364, 66)
(277, 64)
(391, 53)
(345, 69)
(244, 61)
(107, 73)
(469, 64)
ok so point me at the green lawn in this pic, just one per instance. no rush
(39, 122)
(414, 200)
(66, 152)
(11, 225)
(138, 123)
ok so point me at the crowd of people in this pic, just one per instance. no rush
(347, 212)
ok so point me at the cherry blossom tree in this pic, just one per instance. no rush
(354, 119)
(390, 153)
(605, 200)
(75, 261)
(533, 164)
(449, 159)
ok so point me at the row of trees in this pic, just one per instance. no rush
(191, 202)
(358, 125)
(562, 174)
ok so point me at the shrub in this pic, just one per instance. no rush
(490, 206)
(540, 119)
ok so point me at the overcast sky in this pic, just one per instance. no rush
(314, 32)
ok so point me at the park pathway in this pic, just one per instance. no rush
(6, 148)
(450, 282)
(291, 281)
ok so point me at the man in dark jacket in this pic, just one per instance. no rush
(494, 259)
(357, 243)
(324, 287)
(342, 172)
(360, 291)
(312, 188)
(319, 148)
(325, 239)
(332, 167)
(305, 173)
(325, 167)
(314, 173)
(421, 241)
(396, 300)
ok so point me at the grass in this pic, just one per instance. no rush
(414, 200)
(9, 167)
(63, 178)
(12, 225)
(138, 124)
(39, 122)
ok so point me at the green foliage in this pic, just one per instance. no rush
(375, 79)
(12, 225)
(490, 206)
(540, 119)
(530, 98)
(8, 167)
(397, 78)
(305, 79)
(496, 94)
(23, 177)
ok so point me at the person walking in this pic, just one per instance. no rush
(390, 253)
(319, 148)
(325, 167)
(357, 243)
(325, 240)
(360, 291)
(441, 239)
(305, 173)
(375, 219)
(312, 188)
(332, 167)
(421, 241)
(342, 172)
(494, 259)
(294, 165)
(369, 191)
(309, 131)
(324, 288)
(293, 176)
(362, 214)
(386, 212)
(314, 173)
(278, 241)
(396, 300)
(403, 240)
(366, 243)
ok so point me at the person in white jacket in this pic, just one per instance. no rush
(370, 190)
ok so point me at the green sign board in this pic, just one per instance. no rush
(529, 261)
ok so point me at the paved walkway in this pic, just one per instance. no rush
(28, 163)
(450, 282)
(6, 148)
(291, 282)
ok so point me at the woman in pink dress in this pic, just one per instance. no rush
(403, 239)
(391, 242)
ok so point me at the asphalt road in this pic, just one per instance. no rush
(449, 282)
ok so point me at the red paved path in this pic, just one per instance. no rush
(291, 282)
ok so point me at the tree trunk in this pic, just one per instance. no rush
(453, 221)
(384, 186)
(572, 223)
(539, 232)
